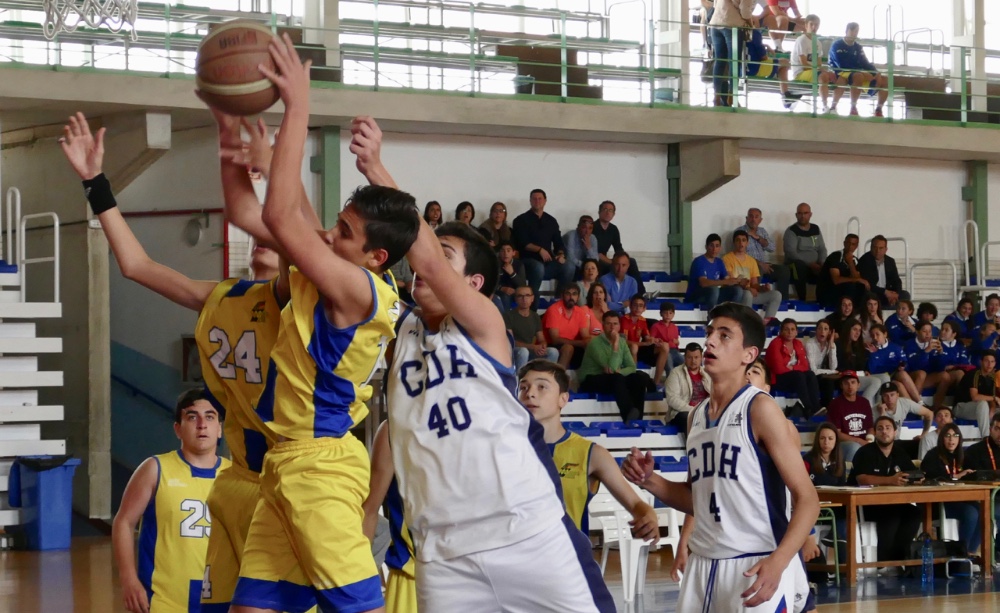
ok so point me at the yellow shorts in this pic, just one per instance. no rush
(305, 544)
(400, 592)
(231, 502)
(806, 76)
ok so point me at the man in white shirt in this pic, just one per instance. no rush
(806, 68)
(942, 417)
(897, 409)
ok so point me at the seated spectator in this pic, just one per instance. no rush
(803, 69)
(923, 360)
(977, 394)
(962, 318)
(749, 291)
(844, 313)
(567, 327)
(985, 455)
(839, 277)
(465, 212)
(581, 244)
(821, 351)
(991, 314)
(946, 462)
(942, 417)
(789, 366)
(403, 275)
(608, 369)
(619, 286)
(926, 311)
(668, 333)
(826, 467)
(883, 463)
(495, 228)
(525, 325)
(644, 347)
(902, 325)
(588, 276)
(805, 251)
(708, 282)
(852, 354)
(781, 16)
(759, 246)
(984, 342)
(597, 302)
(851, 415)
(511, 276)
(432, 214)
(539, 245)
(608, 238)
(881, 273)
(763, 64)
(953, 361)
(870, 315)
(852, 67)
(887, 361)
(891, 405)
(687, 387)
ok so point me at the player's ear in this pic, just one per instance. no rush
(377, 258)
(476, 281)
(177, 430)
(563, 400)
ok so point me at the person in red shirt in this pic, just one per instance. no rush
(644, 347)
(567, 326)
(778, 18)
(851, 414)
(789, 366)
(666, 330)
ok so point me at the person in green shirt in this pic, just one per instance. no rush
(608, 368)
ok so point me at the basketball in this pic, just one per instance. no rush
(227, 73)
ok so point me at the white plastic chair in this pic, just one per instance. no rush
(633, 552)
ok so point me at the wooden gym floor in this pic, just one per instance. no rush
(83, 580)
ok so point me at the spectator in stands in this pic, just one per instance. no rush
(983, 343)
(779, 18)
(511, 276)
(749, 291)
(884, 463)
(954, 360)
(927, 311)
(708, 282)
(568, 327)
(902, 325)
(891, 405)
(946, 462)
(588, 276)
(844, 313)
(985, 455)
(942, 417)
(465, 212)
(789, 366)
(687, 387)
(803, 69)
(620, 287)
(728, 15)
(805, 250)
(581, 244)
(852, 354)
(608, 369)
(962, 318)
(870, 315)
(826, 467)
(608, 238)
(880, 271)
(525, 325)
(539, 244)
(923, 358)
(432, 214)
(977, 394)
(759, 246)
(839, 276)
(495, 228)
(763, 65)
(887, 361)
(597, 302)
(668, 333)
(851, 415)
(645, 348)
(851, 67)
(991, 314)
(403, 275)
(821, 351)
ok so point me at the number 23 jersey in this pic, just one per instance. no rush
(472, 465)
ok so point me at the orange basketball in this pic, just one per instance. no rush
(227, 72)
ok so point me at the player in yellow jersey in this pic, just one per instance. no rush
(543, 388)
(306, 543)
(168, 493)
(400, 587)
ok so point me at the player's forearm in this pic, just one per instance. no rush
(241, 206)
(378, 175)
(676, 495)
(123, 547)
(805, 510)
(282, 202)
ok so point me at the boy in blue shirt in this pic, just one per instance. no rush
(888, 362)
(709, 283)
(851, 66)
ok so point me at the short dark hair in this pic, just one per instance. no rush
(636, 297)
(609, 314)
(908, 303)
(742, 233)
(886, 418)
(711, 238)
(613, 207)
(584, 218)
(850, 236)
(927, 308)
(921, 324)
(852, 25)
(591, 260)
(964, 301)
(621, 254)
(480, 259)
(877, 238)
(789, 320)
(879, 327)
(187, 399)
(951, 325)
(503, 244)
(987, 354)
(749, 321)
(391, 220)
(538, 190)
(944, 407)
(568, 286)
(465, 204)
(666, 305)
(692, 347)
(995, 418)
(545, 366)
(760, 361)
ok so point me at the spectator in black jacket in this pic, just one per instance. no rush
(985, 455)
(946, 462)
(609, 237)
(879, 270)
(539, 243)
(825, 465)
(839, 277)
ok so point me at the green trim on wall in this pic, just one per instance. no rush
(327, 165)
(976, 192)
(679, 215)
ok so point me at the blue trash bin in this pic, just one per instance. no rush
(42, 486)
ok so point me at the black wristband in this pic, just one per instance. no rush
(99, 194)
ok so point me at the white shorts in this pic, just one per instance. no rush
(714, 586)
(553, 571)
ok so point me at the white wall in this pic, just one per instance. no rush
(575, 176)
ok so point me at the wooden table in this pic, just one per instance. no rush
(853, 497)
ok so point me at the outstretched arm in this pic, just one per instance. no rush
(603, 467)
(85, 153)
(638, 469)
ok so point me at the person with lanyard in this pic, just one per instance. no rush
(946, 462)
(985, 455)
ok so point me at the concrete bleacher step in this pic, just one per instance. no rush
(31, 379)
(9, 278)
(11, 449)
(30, 310)
(10, 517)
(30, 345)
(13, 398)
(31, 413)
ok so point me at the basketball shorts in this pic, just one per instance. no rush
(764, 69)
(551, 572)
(806, 76)
(714, 586)
(400, 592)
(231, 503)
(305, 544)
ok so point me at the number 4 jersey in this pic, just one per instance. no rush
(472, 465)
(173, 534)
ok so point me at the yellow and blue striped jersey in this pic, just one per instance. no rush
(236, 331)
(173, 534)
(571, 454)
(400, 552)
(320, 373)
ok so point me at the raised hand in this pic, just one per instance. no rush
(637, 467)
(84, 150)
(366, 143)
(292, 76)
(256, 153)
